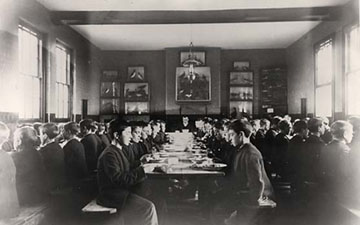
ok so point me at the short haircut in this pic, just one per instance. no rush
(134, 125)
(339, 127)
(314, 124)
(50, 129)
(284, 125)
(241, 125)
(154, 123)
(300, 126)
(117, 126)
(72, 127)
(276, 120)
(254, 122)
(87, 123)
(26, 137)
(264, 122)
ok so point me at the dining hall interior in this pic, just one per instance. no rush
(179, 112)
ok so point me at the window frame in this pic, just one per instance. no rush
(316, 47)
(41, 70)
(346, 30)
(71, 53)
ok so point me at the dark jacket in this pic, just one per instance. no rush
(310, 158)
(248, 173)
(259, 141)
(31, 181)
(53, 158)
(115, 177)
(75, 162)
(92, 148)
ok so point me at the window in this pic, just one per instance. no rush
(30, 78)
(63, 82)
(324, 78)
(352, 69)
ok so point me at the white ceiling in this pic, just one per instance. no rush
(227, 36)
(160, 36)
(103, 5)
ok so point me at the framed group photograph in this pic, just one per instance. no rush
(136, 92)
(136, 108)
(197, 58)
(242, 65)
(193, 87)
(241, 93)
(110, 75)
(241, 78)
(110, 89)
(136, 73)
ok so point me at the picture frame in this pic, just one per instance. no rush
(110, 75)
(136, 92)
(241, 78)
(110, 106)
(198, 57)
(194, 87)
(138, 108)
(241, 107)
(241, 93)
(241, 65)
(110, 89)
(136, 73)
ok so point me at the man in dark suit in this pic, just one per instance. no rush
(117, 179)
(91, 144)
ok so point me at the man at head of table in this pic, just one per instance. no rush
(117, 179)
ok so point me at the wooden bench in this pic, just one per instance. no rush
(94, 207)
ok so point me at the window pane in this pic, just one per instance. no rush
(323, 101)
(353, 49)
(324, 64)
(353, 93)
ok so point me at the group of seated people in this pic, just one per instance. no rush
(39, 159)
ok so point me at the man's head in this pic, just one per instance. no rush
(239, 132)
(71, 129)
(120, 131)
(48, 132)
(285, 126)
(316, 126)
(87, 126)
(342, 130)
(25, 137)
(217, 130)
(300, 128)
(136, 131)
(162, 126)
(255, 124)
(155, 127)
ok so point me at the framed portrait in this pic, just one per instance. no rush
(195, 57)
(241, 107)
(136, 92)
(241, 93)
(193, 87)
(136, 73)
(136, 108)
(110, 89)
(110, 75)
(242, 65)
(241, 78)
(110, 106)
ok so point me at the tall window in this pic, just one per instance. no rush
(352, 69)
(323, 78)
(63, 82)
(30, 79)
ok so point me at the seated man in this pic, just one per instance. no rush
(52, 155)
(116, 179)
(248, 181)
(9, 202)
(91, 144)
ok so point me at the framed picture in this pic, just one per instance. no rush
(241, 78)
(193, 87)
(241, 107)
(109, 106)
(110, 89)
(242, 65)
(136, 73)
(136, 108)
(195, 57)
(110, 75)
(241, 93)
(136, 92)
